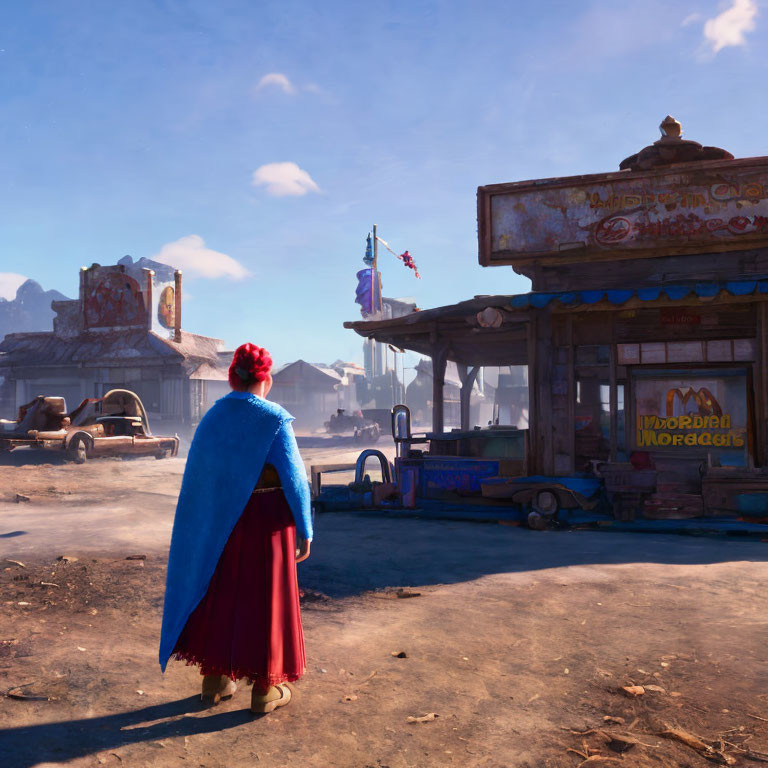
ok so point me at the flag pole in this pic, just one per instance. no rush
(374, 273)
(373, 296)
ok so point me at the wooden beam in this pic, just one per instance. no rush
(571, 396)
(439, 360)
(532, 443)
(761, 386)
(468, 378)
(544, 364)
(634, 303)
(613, 396)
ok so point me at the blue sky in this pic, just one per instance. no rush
(141, 128)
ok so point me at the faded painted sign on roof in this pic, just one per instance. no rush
(702, 207)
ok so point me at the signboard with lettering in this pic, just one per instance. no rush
(683, 410)
(112, 298)
(705, 207)
(131, 294)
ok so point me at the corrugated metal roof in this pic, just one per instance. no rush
(303, 372)
(208, 372)
(90, 347)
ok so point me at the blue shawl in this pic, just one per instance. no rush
(234, 440)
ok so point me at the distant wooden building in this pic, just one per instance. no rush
(124, 331)
(312, 392)
(419, 393)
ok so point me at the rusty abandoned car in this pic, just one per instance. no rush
(113, 425)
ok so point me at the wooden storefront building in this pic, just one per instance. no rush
(645, 334)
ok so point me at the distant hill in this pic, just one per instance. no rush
(30, 310)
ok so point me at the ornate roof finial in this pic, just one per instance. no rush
(670, 128)
(670, 149)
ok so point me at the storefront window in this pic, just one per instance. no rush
(501, 397)
(593, 406)
(593, 428)
(605, 416)
(695, 411)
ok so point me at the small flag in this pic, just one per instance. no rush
(368, 258)
(367, 292)
(406, 257)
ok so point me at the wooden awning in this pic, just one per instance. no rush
(480, 331)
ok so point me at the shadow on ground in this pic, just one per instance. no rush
(352, 554)
(28, 456)
(70, 739)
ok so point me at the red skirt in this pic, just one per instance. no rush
(249, 622)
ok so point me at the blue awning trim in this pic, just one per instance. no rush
(519, 302)
(618, 297)
(592, 297)
(540, 300)
(741, 288)
(648, 294)
(677, 292)
(705, 290)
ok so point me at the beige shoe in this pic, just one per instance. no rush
(276, 696)
(216, 688)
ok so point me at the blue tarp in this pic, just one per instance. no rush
(586, 486)
(623, 295)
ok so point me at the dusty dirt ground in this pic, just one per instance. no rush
(518, 641)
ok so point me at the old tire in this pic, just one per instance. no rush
(537, 522)
(163, 453)
(78, 450)
(546, 503)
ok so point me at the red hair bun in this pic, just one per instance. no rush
(250, 365)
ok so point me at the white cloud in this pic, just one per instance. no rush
(9, 284)
(277, 80)
(691, 18)
(731, 25)
(284, 179)
(190, 255)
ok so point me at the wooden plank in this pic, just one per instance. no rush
(532, 445)
(439, 359)
(614, 396)
(571, 396)
(761, 385)
(544, 367)
(462, 370)
(634, 303)
(316, 470)
(468, 378)
(483, 227)
(743, 265)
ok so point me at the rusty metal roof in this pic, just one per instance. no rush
(208, 372)
(304, 373)
(93, 347)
